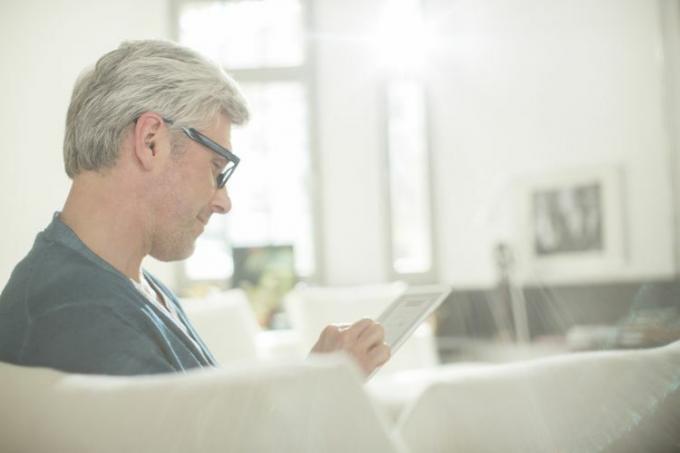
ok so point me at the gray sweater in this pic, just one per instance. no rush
(66, 308)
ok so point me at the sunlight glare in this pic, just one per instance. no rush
(402, 39)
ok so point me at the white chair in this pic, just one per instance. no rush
(226, 323)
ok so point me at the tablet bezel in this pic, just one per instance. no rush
(443, 292)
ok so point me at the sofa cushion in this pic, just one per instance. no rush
(315, 406)
(580, 402)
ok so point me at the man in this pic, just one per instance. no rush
(147, 145)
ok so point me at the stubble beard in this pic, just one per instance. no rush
(174, 246)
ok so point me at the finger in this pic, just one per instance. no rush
(371, 337)
(329, 338)
(342, 327)
(358, 328)
(380, 354)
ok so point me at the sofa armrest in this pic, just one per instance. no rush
(578, 402)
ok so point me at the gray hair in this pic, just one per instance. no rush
(138, 77)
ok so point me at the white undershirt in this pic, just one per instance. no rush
(159, 301)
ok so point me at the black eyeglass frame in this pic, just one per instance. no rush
(201, 139)
(215, 147)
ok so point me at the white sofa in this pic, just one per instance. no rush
(533, 388)
(598, 401)
(602, 401)
(246, 408)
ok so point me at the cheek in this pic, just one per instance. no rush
(192, 189)
(172, 194)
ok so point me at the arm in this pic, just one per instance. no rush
(91, 339)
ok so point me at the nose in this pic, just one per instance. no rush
(221, 203)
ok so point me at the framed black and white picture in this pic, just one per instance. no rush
(571, 225)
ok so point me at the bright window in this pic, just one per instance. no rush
(245, 34)
(272, 195)
(271, 189)
(409, 180)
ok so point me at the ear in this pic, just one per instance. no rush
(147, 140)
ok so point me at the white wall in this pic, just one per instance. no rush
(548, 86)
(43, 47)
(350, 143)
(517, 87)
(670, 13)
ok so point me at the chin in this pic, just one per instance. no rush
(174, 252)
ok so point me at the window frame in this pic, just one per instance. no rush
(431, 275)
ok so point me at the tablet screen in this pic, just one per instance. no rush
(410, 309)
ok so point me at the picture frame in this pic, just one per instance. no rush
(571, 225)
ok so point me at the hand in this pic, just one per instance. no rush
(363, 341)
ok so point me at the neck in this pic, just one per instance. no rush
(113, 229)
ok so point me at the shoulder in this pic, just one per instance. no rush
(52, 275)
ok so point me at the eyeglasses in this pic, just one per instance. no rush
(232, 159)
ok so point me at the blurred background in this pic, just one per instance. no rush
(524, 152)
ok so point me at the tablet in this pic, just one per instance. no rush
(404, 315)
